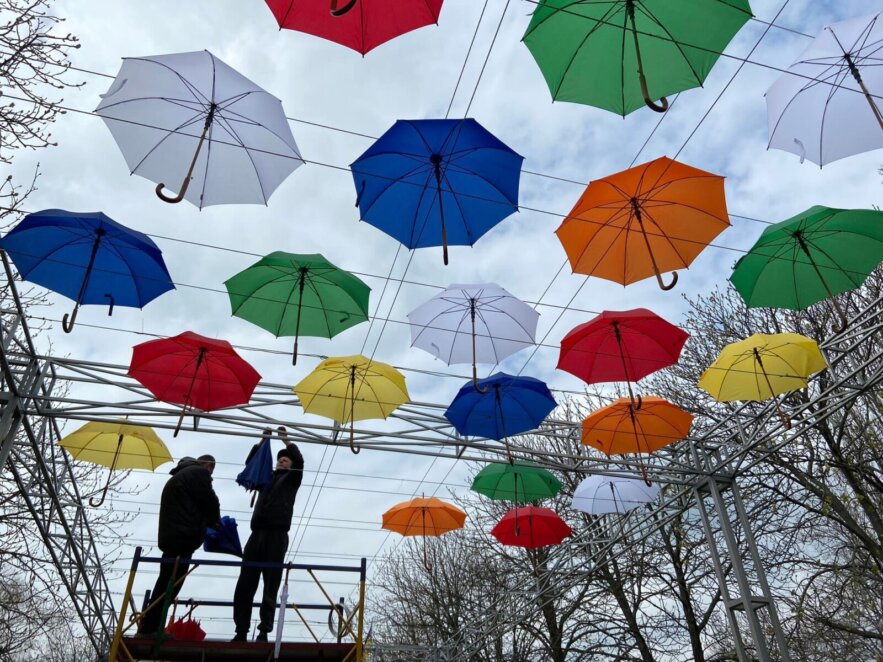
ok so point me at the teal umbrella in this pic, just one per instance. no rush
(811, 257)
(298, 295)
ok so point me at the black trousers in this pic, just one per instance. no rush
(268, 546)
(151, 621)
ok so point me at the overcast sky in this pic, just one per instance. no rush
(313, 211)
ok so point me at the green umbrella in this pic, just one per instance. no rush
(516, 482)
(298, 295)
(621, 54)
(810, 257)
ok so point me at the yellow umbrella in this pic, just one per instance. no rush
(762, 367)
(116, 446)
(352, 388)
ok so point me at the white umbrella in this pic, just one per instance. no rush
(280, 620)
(473, 323)
(599, 495)
(190, 121)
(827, 106)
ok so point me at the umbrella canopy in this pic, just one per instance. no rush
(193, 371)
(531, 527)
(298, 295)
(116, 445)
(258, 472)
(89, 258)
(622, 54)
(599, 495)
(190, 121)
(516, 482)
(358, 24)
(437, 182)
(827, 105)
(186, 629)
(619, 346)
(643, 221)
(501, 406)
(810, 257)
(352, 388)
(623, 428)
(424, 517)
(478, 323)
(762, 367)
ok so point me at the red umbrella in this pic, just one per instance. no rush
(531, 527)
(186, 629)
(193, 371)
(358, 24)
(621, 346)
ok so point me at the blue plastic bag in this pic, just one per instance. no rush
(224, 540)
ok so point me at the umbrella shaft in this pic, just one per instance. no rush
(853, 69)
(98, 235)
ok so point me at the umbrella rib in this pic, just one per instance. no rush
(111, 245)
(226, 126)
(472, 173)
(247, 120)
(166, 136)
(190, 87)
(322, 306)
(677, 45)
(459, 206)
(392, 181)
(667, 238)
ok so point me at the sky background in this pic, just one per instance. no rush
(313, 211)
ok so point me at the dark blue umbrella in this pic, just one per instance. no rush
(224, 540)
(437, 182)
(502, 405)
(258, 472)
(88, 258)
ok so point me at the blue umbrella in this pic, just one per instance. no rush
(88, 258)
(224, 540)
(437, 182)
(504, 405)
(258, 472)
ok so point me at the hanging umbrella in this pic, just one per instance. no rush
(622, 54)
(516, 481)
(258, 472)
(478, 323)
(347, 389)
(531, 527)
(193, 371)
(500, 406)
(190, 118)
(116, 445)
(437, 182)
(761, 367)
(358, 24)
(827, 105)
(619, 346)
(423, 517)
(643, 221)
(295, 295)
(621, 427)
(89, 258)
(810, 257)
(599, 495)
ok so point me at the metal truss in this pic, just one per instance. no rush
(701, 472)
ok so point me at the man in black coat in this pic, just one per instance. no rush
(268, 541)
(188, 505)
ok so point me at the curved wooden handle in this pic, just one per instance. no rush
(343, 10)
(169, 198)
(660, 107)
(662, 285)
(68, 321)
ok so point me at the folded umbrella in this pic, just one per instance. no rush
(258, 472)
(89, 258)
(224, 540)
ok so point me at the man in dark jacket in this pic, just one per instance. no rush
(268, 541)
(188, 505)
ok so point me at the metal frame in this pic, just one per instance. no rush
(701, 471)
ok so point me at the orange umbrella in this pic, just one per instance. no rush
(424, 517)
(621, 428)
(644, 221)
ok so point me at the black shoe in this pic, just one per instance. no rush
(239, 637)
(262, 636)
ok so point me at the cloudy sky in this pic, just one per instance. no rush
(413, 77)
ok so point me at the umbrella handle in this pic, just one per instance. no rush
(68, 321)
(343, 10)
(355, 449)
(110, 298)
(662, 285)
(660, 107)
(186, 183)
(97, 502)
(180, 421)
(475, 382)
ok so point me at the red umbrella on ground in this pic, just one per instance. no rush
(358, 24)
(621, 346)
(531, 527)
(193, 371)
